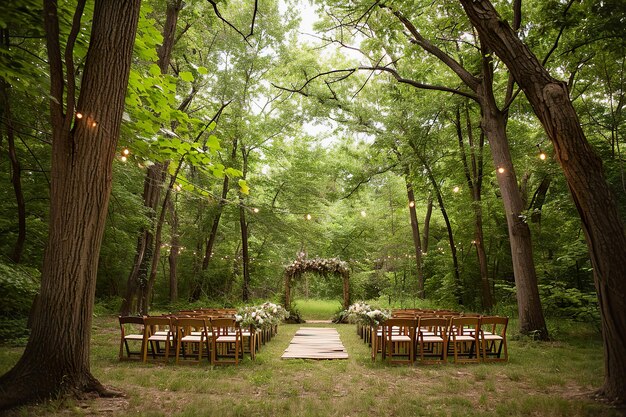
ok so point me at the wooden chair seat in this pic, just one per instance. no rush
(492, 338)
(132, 330)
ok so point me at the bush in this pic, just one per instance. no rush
(18, 288)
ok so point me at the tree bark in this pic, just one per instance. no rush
(458, 293)
(474, 174)
(174, 252)
(426, 233)
(601, 220)
(56, 359)
(245, 257)
(416, 240)
(536, 204)
(16, 168)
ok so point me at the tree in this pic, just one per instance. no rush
(85, 133)
(602, 223)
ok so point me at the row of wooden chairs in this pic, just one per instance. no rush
(188, 338)
(466, 338)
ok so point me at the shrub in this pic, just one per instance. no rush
(18, 288)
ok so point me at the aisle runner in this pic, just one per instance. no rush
(316, 343)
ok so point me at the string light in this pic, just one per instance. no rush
(94, 124)
(308, 217)
(501, 170)
(411, 204)
(123, 159)
(178, 187)
(256, 210)
(79, 115)
(456, 189)
(363, 213)
(542, 154)
(125, 151)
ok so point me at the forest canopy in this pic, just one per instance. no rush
(223, 142)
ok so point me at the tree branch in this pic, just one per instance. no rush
(69, 64)
(254, 13)
(467, 78)
(57, 85)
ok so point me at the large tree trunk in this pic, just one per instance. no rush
(415, 229)
(601, 220)
(531, 319)
(56, 359)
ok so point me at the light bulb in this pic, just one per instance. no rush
(501, 170)
(456, 189)
(125, 151)
(542, 156)
(308, 217)
(363, 213)
(79, 115)
(123, 158)
(411, 203)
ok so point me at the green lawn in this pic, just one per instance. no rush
(317, 309)
(541, 379)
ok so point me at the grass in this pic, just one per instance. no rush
(317, 309)
(541, 379)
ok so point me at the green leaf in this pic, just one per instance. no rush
(154, 70)
(243, 187)
(232, 172)
(202, 70)
(213, 143)
(186, 76)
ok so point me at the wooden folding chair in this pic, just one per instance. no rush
(432, 339)
(132, 330)
(492, 338)
(463, 339)
(399, 340)
(159, 330)
(192, 338)
(252, 335)
(226, 341)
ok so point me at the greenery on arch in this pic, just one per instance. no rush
(320, 266)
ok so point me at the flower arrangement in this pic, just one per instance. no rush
(262, 316)
(363, 313)
(321, 266)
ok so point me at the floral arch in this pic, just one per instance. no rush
(323, 267)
